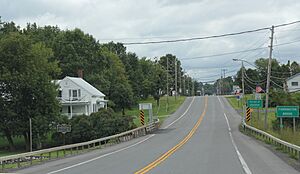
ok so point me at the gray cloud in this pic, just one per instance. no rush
(141, 20)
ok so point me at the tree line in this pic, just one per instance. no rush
(31, 57)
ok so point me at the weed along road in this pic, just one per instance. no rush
(202, 136)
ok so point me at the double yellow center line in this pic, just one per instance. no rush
(176, 147)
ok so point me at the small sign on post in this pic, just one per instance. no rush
(63, 128)
(147, 106)
(142, 117)
(287, 112)
(254, 104)
(248, 114)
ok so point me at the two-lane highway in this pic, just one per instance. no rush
(201, 137)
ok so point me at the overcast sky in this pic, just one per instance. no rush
(152, 20)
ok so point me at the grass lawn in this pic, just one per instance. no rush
(161, 112)
(257, 121)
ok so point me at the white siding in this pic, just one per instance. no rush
(86, 102)
(293, 88)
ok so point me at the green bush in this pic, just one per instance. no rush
(100, 124)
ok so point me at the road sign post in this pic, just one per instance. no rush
(147, 106)
(254, 104)
(248, 114)
(142, 117)
(287, 112)
(63, 128)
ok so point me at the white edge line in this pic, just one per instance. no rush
(227, 122)
(243, 162)
(181, 115)
(93, 159)
(102, 156)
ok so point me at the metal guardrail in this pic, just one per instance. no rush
(287, 147)
(30, 158)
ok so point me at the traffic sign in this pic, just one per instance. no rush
(287, 111)
(63, 128)
(248, 114)
(254, 103)
(257, 96)
(145, 106)
(142, 117)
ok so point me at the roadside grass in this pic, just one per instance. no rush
(161, 112)
(257, 121)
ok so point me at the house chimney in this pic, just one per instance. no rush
(80, 73)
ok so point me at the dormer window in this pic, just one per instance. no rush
(74, 93)
(294, 83)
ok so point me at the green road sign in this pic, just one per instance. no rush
(287, 111)
(254, 104)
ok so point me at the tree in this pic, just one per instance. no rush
(120, 91)
(168, 62)
(295, 68)
(26, 87)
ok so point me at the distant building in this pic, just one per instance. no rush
(293, 83)
(78, 97)
(236, 89)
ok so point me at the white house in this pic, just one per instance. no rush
(78, 97)
(293, 83)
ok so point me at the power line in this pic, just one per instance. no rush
(208, 37)
(222, 54)
(195, 38)
(277, 84)
(217, 75)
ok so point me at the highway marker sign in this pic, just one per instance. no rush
(287, 111)
(63, 128)
(255, 104)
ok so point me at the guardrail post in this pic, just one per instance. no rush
(49, 155)
(64, 152)
(2, 166)
(41, 157)
(18, 162)
(57, 153)
(71, 151)
(31, 158)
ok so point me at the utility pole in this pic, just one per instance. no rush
(188, 87)
(184, 88)
(243, 82)
(268, 78)
(167, 90)
(221, 82)
(30, 135)
(175, 79)
(193, 88)
(180, 82)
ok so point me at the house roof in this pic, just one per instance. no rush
(88, 87)
(293, 76)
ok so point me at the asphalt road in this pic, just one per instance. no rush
(202, 136)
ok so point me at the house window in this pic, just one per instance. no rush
(75, 94)
(60, 93)
(294, 83)
(79, 93)
(70, 93)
